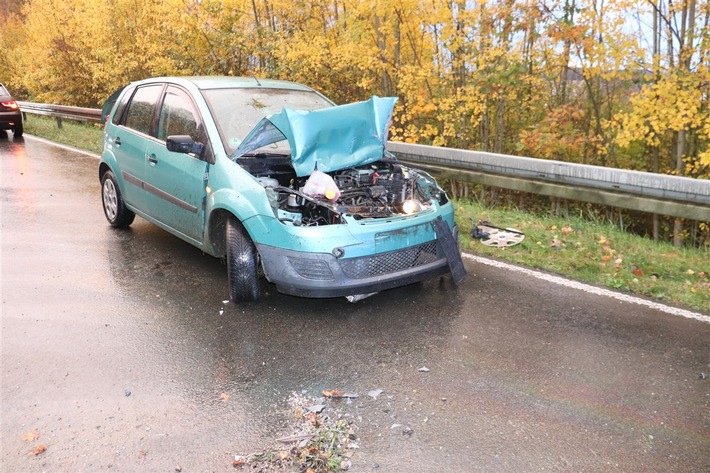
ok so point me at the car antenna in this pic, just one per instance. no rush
(257, 81)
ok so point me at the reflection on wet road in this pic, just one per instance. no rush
(118, 347)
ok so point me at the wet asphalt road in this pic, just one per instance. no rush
(118, 349)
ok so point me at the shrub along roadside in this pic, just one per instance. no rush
(595, 252)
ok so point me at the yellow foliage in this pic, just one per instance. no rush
(513, 76)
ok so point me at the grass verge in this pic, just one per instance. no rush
(597, 253)
(80, 135)
(594, 252)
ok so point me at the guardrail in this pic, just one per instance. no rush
(62, 112)
(643, 191)
(635, 190)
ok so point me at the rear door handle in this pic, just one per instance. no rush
(151, 158)
(117, 141)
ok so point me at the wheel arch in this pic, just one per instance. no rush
(225, 204)
(216, 231)
(216, 243)
(103, 167)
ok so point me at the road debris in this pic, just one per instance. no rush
(319, 443)
(424, 369)
(31, 436)
(39, 449)
(491, 235)
(335, 394)
(317, 409)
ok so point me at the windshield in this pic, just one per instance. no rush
(237, 111)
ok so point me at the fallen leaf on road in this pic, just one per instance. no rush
(224, 397)
(283, 455)
(31, 436)
(334, 394)
(312, 418)
(39, 449)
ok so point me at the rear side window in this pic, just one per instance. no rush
(139, 115)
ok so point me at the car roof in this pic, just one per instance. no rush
(224, 82)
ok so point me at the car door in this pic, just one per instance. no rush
(176, 181)
(130, 140)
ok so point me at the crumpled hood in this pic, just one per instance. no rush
(328, 139)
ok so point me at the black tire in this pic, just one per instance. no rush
(18, 130)
(115, 209)
(242, 264)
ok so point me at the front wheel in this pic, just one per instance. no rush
(115, 209)
(242, 267)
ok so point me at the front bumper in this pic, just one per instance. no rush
(321, 275)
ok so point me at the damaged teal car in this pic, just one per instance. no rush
(276, 179)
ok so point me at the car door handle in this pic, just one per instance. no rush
(117, 141)
(151, 158)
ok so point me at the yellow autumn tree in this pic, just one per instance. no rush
(79, 52)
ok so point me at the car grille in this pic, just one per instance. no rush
(311, 268)
(391, 262)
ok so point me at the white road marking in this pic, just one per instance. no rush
(63, 146)
(590, 289)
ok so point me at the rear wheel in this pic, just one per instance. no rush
(242, 267)
(115, 209)
(18, 130)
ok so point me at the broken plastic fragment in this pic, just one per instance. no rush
(318, 408)
(424, 369)
(359, 297)
(374, 393)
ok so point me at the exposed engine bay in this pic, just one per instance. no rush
(382, 189)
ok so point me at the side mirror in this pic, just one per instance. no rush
(183, 144)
